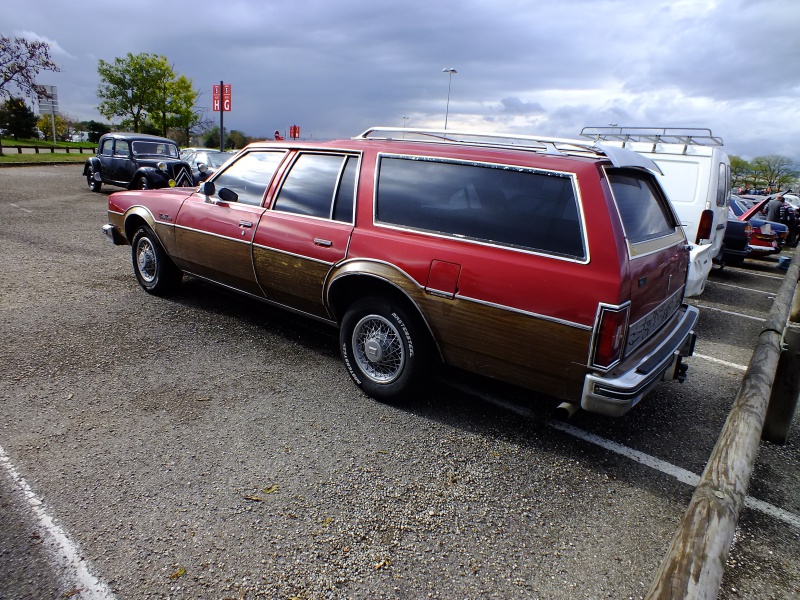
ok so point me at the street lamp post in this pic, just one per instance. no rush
(450, 72)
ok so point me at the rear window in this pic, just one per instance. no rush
(522, 208)
(642, 207)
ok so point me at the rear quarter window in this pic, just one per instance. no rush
(642, 206)
(516, 207)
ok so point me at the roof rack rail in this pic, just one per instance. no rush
(656, 135)
(619, 157)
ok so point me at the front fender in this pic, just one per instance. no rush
(155, 178)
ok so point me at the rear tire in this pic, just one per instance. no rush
(384, 348)
(154, 270)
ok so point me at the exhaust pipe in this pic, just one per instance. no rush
(565, 410)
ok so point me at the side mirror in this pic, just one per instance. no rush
(207, 188)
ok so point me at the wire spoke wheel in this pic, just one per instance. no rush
(146, 259)
(378, 349)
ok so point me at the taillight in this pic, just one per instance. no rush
(748, 231)
(610, 333)
(704, 227)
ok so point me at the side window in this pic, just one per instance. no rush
(108, 148)
(523, 208)
(723, 185)
(643, 209)
(249, 176)
(346, 194)
(312, 185)
(122, 148)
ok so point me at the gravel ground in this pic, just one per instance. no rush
(208, 446)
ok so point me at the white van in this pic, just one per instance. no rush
(696, 174)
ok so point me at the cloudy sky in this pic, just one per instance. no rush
(546, 67)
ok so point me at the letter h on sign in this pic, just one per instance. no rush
(221, 97)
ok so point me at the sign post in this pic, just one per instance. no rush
(49, 104)
(221, 101)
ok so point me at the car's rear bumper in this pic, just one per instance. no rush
(614, 395)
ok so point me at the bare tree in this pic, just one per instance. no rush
(21, 60)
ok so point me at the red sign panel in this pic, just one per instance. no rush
(221, 97)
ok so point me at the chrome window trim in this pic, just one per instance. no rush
(550, 172)
(343, 154)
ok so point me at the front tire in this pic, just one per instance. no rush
(154, 270)
(141, 183)
(384, 348)
(94, 185)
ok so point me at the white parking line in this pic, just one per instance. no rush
(19, 207)
(746, 289)
(719, 361)
(727, 312)
(65, 553)
(662, 466)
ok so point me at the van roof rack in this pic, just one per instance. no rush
(656, 135)
(619, 157)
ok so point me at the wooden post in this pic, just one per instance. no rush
(695, 562)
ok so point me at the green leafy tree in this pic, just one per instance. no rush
(45, 125)
(95, 130)
(236, 139)
(134, 87)
(17, 119)
(775, 171)
(177, 108)
(740, 171)
(21, 61)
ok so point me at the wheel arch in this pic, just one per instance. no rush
(348, 286)
(135, 218)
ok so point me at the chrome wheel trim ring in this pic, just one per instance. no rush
(378, 349)
(146, 260)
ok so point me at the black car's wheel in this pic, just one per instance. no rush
(94, 185)
(141, 183)
(154, 270)
(384, 348)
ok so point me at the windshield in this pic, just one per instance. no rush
(156, 149)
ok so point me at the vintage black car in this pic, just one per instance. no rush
(137, 161)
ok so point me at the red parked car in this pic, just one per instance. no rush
(557, 265)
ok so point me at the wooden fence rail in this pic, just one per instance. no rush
(695, 562)
(40, 149)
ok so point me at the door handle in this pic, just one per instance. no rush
(321, 242)
(245, 223)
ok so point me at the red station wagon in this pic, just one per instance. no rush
(556, 265)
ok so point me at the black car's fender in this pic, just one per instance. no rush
(155, 178)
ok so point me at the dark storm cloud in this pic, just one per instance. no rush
(338, 67)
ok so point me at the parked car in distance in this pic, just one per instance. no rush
(763, 236)
(696, 174)
(736, 246)
(136, 161)
(550, 264)
(204, 162)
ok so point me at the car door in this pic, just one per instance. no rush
(306, 231)
(214, 232)
(121, 162)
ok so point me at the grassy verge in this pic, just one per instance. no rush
(9, 158)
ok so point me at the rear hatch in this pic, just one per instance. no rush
(657, 251)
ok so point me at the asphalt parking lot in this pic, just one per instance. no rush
(207, 446)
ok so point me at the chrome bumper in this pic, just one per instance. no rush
(614, 396)
(113, 235)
